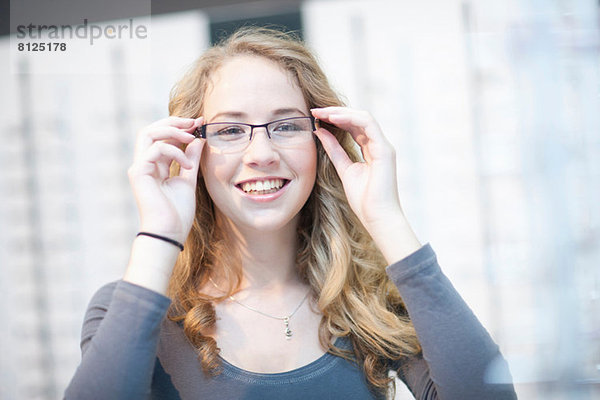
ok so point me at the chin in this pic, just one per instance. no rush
(268, 222)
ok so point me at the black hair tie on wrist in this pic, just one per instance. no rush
(165, 239)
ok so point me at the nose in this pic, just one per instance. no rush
(260, 151)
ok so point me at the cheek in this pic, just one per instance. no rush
(307, 165)
(217, 171)
(204, 161)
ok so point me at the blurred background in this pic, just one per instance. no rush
(493, 108)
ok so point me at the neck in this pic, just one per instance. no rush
(268, 257)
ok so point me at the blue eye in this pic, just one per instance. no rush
(290, 128)
(226, 132)
(287, 127)
(230, 131)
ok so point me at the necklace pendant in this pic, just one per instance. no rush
(288, 331)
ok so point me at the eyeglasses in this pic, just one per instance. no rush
(231, 137)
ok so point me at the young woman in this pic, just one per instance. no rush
(281, 289)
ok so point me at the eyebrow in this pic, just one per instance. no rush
(277, 113)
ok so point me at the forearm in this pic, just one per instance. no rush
(463, 360)
(151, 263)
(393, 236)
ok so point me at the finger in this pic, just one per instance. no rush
(357, 134)
(164, 153)
(193, 153)
(362, 127)
(177, 122)
(326, 112)
(186, 124)
(156, 166)
(199, 121)
(358, 126)
(334, 150)
(356, 122)
(168, 133)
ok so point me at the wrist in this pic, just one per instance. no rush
(151, 263)
(166, 239)
(394, 237)
(173, 228)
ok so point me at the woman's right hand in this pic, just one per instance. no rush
(166, 204)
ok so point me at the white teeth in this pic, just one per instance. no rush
(262, 186)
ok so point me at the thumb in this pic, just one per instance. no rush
(193, 151)
(338, 156)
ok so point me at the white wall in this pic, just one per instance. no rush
(67, 217)
(493, 110)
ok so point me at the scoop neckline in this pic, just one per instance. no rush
(312, 369)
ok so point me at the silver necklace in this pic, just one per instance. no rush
(285, 319)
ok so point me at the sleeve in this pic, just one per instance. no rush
(118, 343)
(460, 360)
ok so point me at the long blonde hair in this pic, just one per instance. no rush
(337, 258)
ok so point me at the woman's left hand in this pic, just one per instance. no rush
(370, 186)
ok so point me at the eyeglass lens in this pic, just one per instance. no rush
(232, 136)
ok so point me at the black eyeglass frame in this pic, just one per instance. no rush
(200, 132)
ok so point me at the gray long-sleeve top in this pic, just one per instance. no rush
(131, 351)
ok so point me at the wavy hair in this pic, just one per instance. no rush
(337, 258)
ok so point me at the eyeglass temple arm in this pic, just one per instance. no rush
(316, 124)
(200, 132)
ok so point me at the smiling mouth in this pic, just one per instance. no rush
(266, 186)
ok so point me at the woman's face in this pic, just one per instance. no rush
(254, 90)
